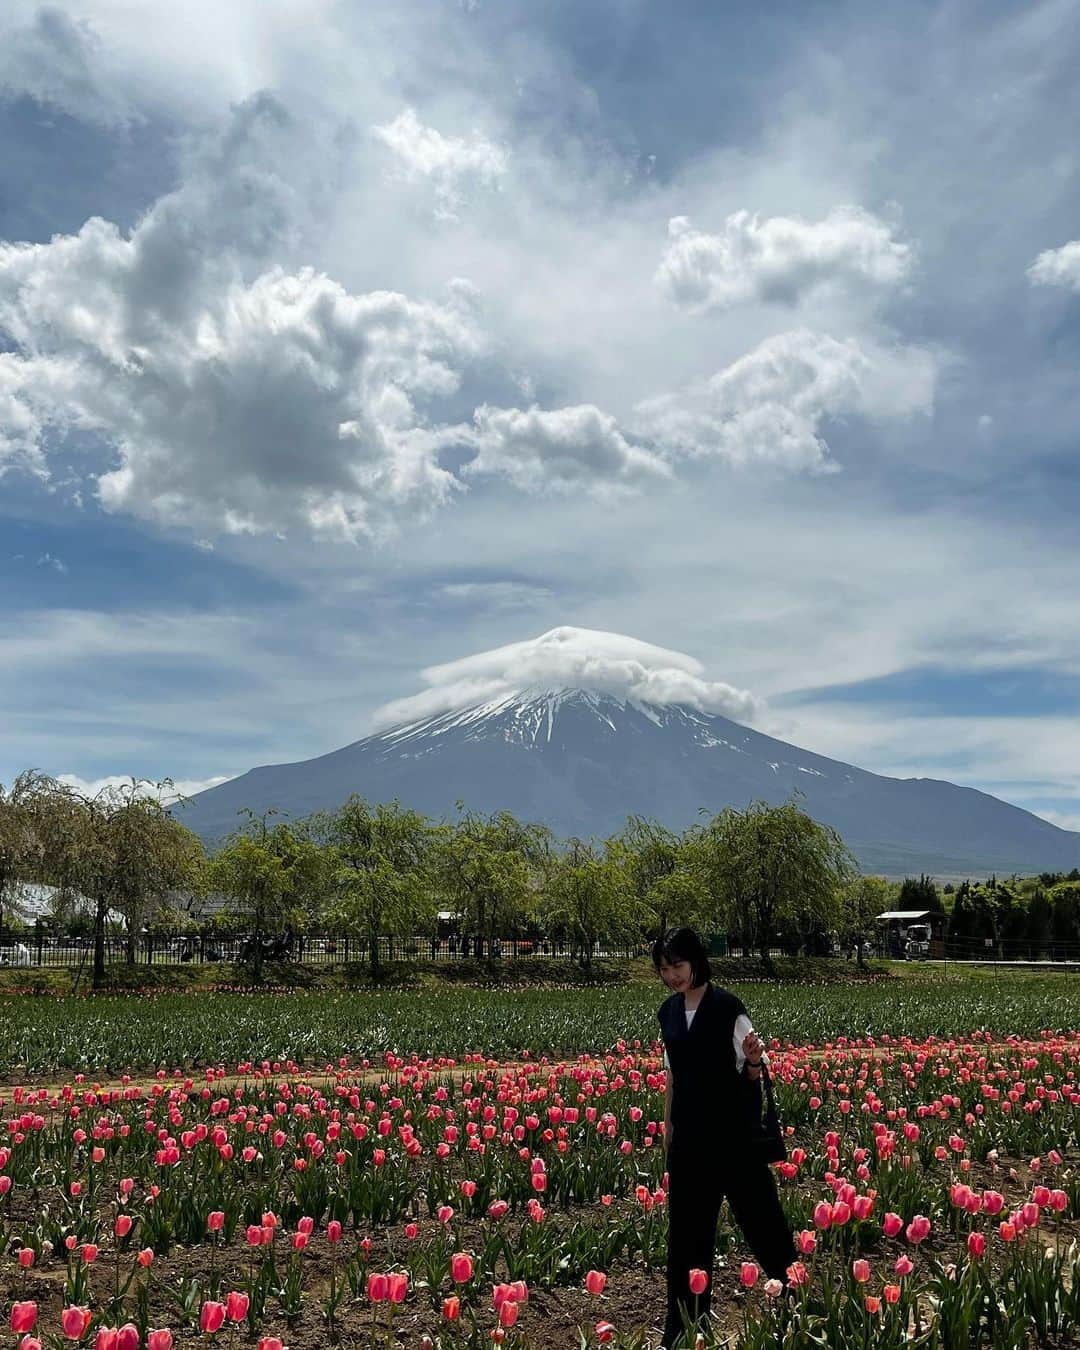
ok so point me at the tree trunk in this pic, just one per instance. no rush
(100, 911)
(373, 938)
(130, 957)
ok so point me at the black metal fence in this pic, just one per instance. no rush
(176, 949)
(37, 949)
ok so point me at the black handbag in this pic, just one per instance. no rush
(769, 1141)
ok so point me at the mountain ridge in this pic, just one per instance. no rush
(580, 760)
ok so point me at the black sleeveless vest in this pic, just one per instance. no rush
(712, 1103)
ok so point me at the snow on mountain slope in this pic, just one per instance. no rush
(581, 760)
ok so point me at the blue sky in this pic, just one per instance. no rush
(338, 342)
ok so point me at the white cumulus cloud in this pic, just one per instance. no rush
(238, 395)
(560, 450)
(60, 61)
(575, 658)
(450, 163)
(780, 259)
(768, 407)
(1058, 267)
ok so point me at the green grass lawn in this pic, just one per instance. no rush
(110, 1032)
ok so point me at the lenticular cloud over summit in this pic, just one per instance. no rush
(571, 658)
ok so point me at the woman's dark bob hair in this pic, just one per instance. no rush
(682, 944)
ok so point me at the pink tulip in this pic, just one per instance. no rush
(451, 1308)
(161, 1339)
(595, 1281)
(698, 1281)
(74, 1322)
(508, 1313)
(398, 1287)
(211, 1316)
(891, 1224)
(823, 1215)
(122, 1227)
(270, 1343)
(378, 1288)
(26, 1257)
(748, 1274)
(904, 1265)
(30, 1343)
(918, 1228)
(23, 1317)
(797, 1274)
(236, 1306)
(860, 1270)
(976, 1245)
(993, 1202)
(805, 1241)
(333, 1231)
(215, 1221)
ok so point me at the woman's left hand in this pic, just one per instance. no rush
(752, 1048)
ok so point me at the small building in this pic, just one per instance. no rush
(895, 928)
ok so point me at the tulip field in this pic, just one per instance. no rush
(487, 1167)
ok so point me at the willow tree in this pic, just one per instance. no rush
(487, 867)
(120, 848)
(771, 863)
(21, 852)
(271, 873)
(655, 860)
(380, 865)
(589, 894)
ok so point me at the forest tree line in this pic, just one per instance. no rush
(767, 875)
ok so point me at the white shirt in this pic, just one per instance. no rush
(743, 1028)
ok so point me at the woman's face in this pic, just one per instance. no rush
(677, 975)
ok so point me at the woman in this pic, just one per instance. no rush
(713, 1059)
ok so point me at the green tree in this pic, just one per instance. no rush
(589, 895)
(488, 868)
(21, 850)
(653, 856)
(920, 895)
(962, 918)
(1038, 925)
(116, 847)
(151, 854)
(1065, 919)
(774, 863)
(381, 866)
(862, 899)
(273, 875)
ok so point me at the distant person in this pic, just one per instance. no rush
(714, 1062)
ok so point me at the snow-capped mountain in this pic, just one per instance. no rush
(580, 761)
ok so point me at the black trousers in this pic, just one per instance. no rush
(700, 1177)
